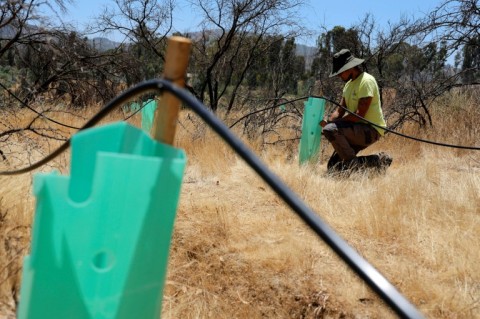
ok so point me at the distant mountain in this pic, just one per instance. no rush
(99, 43)
(103, 44)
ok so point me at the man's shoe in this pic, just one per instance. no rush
(384, 160)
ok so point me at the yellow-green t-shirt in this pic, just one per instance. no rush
(365, 86)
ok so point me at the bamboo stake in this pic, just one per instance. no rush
(166, 114)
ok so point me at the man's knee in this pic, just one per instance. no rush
(330, 131)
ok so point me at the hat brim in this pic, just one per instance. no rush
(351, 64)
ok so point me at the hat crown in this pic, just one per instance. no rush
(341, 58)
(344, 60)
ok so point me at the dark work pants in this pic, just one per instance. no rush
(348, 138)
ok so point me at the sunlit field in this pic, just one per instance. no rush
(239, 252)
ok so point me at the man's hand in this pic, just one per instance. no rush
(323, 123)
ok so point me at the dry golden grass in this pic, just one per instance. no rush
(239, 252)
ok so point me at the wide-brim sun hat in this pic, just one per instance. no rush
(344, 60)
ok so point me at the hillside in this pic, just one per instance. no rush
(103, 44)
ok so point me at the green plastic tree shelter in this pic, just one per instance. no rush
(148, 113)
(311, 130)
(101, 237)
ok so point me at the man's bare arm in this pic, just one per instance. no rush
(337, 114)
(363, 105)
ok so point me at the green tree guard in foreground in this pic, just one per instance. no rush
(101, 237)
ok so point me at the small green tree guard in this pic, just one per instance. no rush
(101, 237)
(148, 114)
(311, 130)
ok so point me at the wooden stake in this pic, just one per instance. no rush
(166, 114)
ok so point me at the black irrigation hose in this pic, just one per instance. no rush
(357, 263)
(266, 109)
(119, 100)
(52, 120)
(473, 148)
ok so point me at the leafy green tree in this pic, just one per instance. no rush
(291, 73)
(278, 71)
(471, 61)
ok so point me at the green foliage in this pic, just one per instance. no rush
(471, 61)
(412, 62)
(279, 69)
(145, 64)
(339, 38)
(146, 54)
(289, 67)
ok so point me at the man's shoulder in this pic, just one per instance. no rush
(367, 77)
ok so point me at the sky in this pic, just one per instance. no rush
(316, 13)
